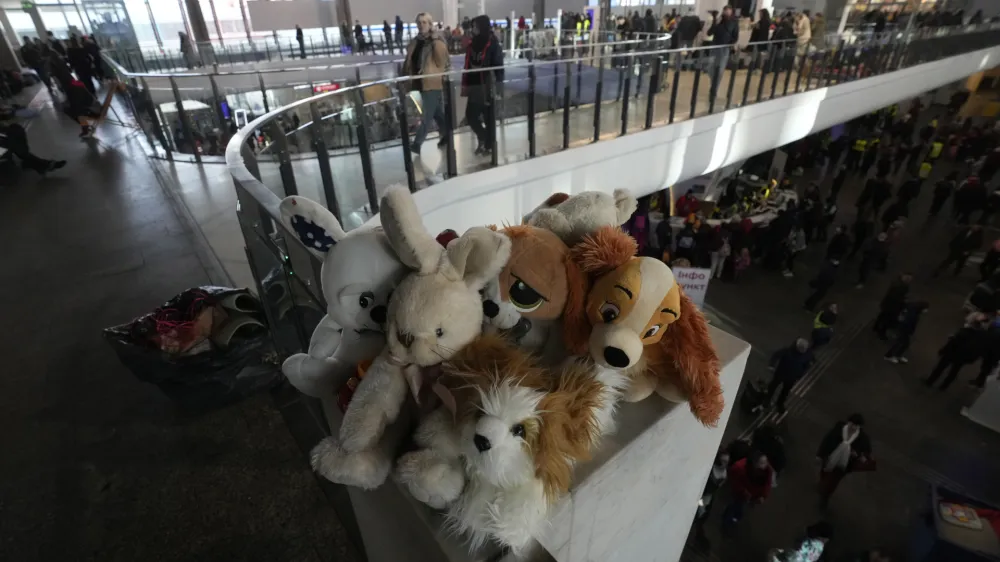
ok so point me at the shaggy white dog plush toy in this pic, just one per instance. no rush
(356, 298)
(517, 432)
(433, 313)
(573, 217)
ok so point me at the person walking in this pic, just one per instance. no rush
(809, 549)
(32, 56)
(991, 262)
(427, 55)
(480, 90)
(844, 449)
(301, 41)
(795, 244)
(892, 305)
(969, 197)
(750, 480)
(79, 60)
(720, 251)
(821, 284)
(823, 323)
(359, 37)
(838, 181)
(839, 243)
(876, 254)
(399, 32)
(963, 347)
(905, 328)
(790, 364)
(990, 353)
(187, 49)
(14, 138)
(717, 477)
(942, 191)
(725, 31)
(960, 248)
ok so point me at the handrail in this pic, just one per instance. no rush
(884, 52)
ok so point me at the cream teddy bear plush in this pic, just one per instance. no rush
(356, 298)
(433, 313)
(573, 217)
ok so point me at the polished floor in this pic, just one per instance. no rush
(96, 465)
(99, 466)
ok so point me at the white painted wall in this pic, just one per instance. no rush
(270, 16)
(652, 160)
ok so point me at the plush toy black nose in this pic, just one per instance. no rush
(616, 357)
(482, 443)
(405, 338)
(378, 314)
(490, 309)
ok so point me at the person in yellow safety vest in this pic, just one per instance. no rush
(822, 331)
(925, 170)
(854, 156)
(936, 149)
(579, 28)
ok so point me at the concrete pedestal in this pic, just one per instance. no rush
(635, 501)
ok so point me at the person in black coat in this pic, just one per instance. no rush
(838, 181)
(482, 92)
(837, 248)
(910, 189)
(761, 31)
(875, 255)
(80, 61)
(822, 283)
(892, 305)
(897, 210)
(301, 41)
(766, 440)
(963, 347)
(990, 262)
(960, 248)
(841, 450)
(687, 244)
(990, 354)
(942, 191)
(905, 328)
(789, 365)
(725, 33)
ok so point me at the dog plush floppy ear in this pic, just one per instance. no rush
(692, 364)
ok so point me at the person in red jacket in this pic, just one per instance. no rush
(686, 205)
(750, 481)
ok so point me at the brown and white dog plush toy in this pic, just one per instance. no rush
(507, 453)
(538, 286)
(643, 325)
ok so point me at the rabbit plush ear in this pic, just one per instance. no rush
(416, 248)
(311, 223)
(478, 256)
(625, 205)
(689, 344)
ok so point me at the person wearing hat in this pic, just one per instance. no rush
(844, 448)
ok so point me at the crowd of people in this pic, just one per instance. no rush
(895, 155)
(71, 68)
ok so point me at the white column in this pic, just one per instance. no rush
(848, 7)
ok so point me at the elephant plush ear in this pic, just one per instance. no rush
(311, 223)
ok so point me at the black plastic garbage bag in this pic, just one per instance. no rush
(200, 368)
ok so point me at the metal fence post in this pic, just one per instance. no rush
(788, 64)
(763, 71)
(493, 115)
(566, 105)
(677, 81)
(579, 81)
(452, 118)
(532, 143)
(598, 95)
(263, 92)
(182, 114)
(625, 97)
(654, 81)
(218, 102)
(364, 150)
(754, 61)
(404, 135)
(555, 87)
(694, 89)
(323, 160)
(280, 142)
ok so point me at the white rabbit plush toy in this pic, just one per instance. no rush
(357, 296)
(433, 313)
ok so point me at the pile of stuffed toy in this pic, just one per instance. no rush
(477, 370)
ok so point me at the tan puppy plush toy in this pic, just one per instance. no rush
(643, 324)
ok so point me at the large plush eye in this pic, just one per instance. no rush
(652, 331)
(367, 298)
(609, 312)
(523, 297)
(517, 430)
(439, 332)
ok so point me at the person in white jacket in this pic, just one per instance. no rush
(803, 33)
